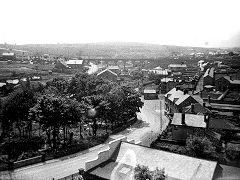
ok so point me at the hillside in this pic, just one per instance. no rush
(109, 50)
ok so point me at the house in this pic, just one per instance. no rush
(8, 56)
(108, 74)
(187, 124)
(167, 84)
(75, 63)
(150, 94)
(119, 160)
(115, 69)
(196, 108)
(177, 67)
(208, 77)
(226, 82)
(176, 100)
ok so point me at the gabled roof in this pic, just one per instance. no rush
(177, 96)
(176, 166)
(197, 109)
(191, 120)
(209, 72)
(106, 71)
(236, 81)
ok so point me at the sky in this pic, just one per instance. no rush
(207, 23)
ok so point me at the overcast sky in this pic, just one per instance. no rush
(172, 22)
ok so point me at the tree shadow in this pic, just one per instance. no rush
(140, 124)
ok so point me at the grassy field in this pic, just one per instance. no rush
(18, 70)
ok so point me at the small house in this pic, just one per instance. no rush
(150, 94)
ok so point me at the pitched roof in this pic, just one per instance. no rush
(175, 165)
(222, 124)
(190, 120)
(74, 61)
(8, 54)
(197, 108)
(177, 65)
(166, 79)
(209, 72)
(150, 91)
(177, 96)
(106, 71)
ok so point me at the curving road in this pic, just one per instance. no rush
(151, 119)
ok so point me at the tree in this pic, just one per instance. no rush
(143, 173)
(59, 84)
(15, 110)
(98, 103)
(55, 112)
(199, 146)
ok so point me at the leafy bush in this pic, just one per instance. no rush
(199, 146)
(143, 173)
(17, 147)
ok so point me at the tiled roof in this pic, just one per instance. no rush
(197, 108)
(177, 95)
(209, 72)
(106, 71)
(190, 120)
(176, 166)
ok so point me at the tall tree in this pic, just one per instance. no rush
(16, 108)
(55, 112)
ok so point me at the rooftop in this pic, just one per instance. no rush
(209, 72)
(190, 120)
(107, 70)
(74, 61)
(177, 96)
(175, 165)
(166, 79)
(177, 65)
(197, 109)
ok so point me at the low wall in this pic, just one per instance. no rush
(107, 154)
(26, 162)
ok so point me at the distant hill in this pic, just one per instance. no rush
(109, 50)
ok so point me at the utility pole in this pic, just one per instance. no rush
(161, 116)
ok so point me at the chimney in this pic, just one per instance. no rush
(206, 120)
(204, 104)
(192, 108)
(185, 91)
(183, 119)
(209, 99)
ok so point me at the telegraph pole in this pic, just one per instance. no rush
(161, 116)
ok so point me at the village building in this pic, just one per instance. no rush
(177, 67)
(197, 108)
(185, 125)
(150, 94)
(176, 100)
(120, 159)
(208, 77)
(108, 74)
